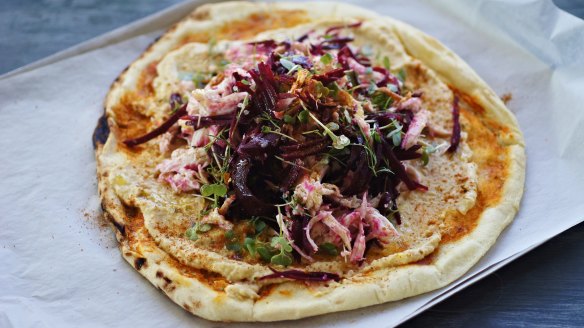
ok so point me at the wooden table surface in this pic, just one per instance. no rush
(544, 288)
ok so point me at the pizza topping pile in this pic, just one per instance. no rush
(306, 142)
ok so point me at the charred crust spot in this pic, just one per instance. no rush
(149, 48)
(130, 211)
(120, 227)
(101, 132)
(139, 263)
(161, 275)
(187, 307)
(126, 69)
(168, 287)
(121, 74)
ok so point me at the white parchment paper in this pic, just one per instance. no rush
(59, 265)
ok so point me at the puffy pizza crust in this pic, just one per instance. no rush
(212, 296)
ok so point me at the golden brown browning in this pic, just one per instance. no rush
(453, 242)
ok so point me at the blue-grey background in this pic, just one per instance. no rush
(545, 288)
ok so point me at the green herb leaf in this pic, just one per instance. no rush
(332, 126)
(265, 253)
(206, 190)
(284, 244)
(396, 138)
(329, 249)
(320, 90)
(381, 100)
(281, 259)
(341, 142)
(352, 77)
(250, 245)
(425, 158)
(229, 234)
(347, 116)
(401, 75)
(220, 189)
(259, 226)
(289, 119)
(326, 58)
(234, 247)
(396, 133)
(191, 233)
(333, 90)
(290, 66)
(303, 116)
(216, 189)
(386, 63)
(286, 63)
(376, 137)
(427, 150)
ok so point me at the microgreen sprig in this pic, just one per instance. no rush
(192, 232)
(281, 243)
(339, 142)
(429, 149)
(326, 58)
(276, 251)
(267, 129)
(386, 63)
(215, 190)
(291, 163)
(290, 66)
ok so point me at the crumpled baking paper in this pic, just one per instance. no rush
(59, 265)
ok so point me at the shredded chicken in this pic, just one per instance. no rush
(184, 170)
(416, 126)
(309, 193)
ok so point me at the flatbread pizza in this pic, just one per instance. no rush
(264, 162)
